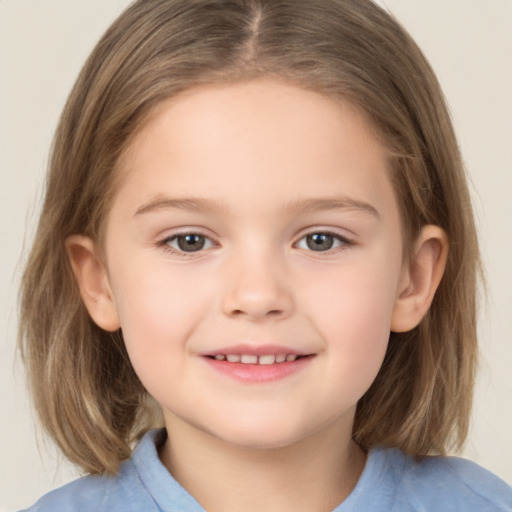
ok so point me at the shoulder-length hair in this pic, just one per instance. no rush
(86, 392)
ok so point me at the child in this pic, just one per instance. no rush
(257, 236)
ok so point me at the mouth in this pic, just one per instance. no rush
(265, 359)
(258, 364)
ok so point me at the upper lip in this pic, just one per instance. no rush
(256, 350)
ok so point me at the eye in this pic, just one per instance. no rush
(321, 242)
(188, 242)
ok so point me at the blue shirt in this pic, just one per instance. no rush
(391, 482)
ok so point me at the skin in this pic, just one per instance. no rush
(265, 164)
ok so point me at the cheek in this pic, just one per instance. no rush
(158, 309)
(151, 294)
(352, 312)
(358, 297)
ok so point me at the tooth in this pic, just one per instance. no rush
(233, 358)
(220, 357)
(281, 358)
(270, 359)
(291, 357)
(249, 359)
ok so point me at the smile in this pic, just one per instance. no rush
(266, 365)
(268, 359)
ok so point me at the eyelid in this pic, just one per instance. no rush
(164, 242)
(345, 240)
(341, 233)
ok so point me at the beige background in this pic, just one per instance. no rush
(42, 46)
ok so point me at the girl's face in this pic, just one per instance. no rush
(254, 223)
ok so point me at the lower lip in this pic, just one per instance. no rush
(257, 373)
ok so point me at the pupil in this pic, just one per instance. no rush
(320, 242)
(190, 243)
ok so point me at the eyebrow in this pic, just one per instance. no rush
(303, 206)
(314, 205)
(196, 204)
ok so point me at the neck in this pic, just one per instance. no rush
(316, 473)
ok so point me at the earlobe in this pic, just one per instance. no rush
(93, 282)
(420, 279)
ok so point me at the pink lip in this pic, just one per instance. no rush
(257, 373)
(255, 350)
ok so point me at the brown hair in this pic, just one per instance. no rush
(86, 392)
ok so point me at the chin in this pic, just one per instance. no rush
(259, 437)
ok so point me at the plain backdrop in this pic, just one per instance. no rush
(43, 44)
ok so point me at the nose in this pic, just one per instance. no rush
(257, 288)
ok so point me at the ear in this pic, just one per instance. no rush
(420, 279)
(93, 282)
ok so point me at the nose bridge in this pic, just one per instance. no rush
(256, 286)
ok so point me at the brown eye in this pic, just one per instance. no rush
(320, 241)
(188, 242)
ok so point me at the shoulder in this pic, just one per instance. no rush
(123, 492)
(87, 493)
(143, 483)
(448, 484)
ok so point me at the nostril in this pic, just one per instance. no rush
(247, 303)
(273, 312)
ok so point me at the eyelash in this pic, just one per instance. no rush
(165, 244)
(343, 243)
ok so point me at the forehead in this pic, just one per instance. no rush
(264, 138)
